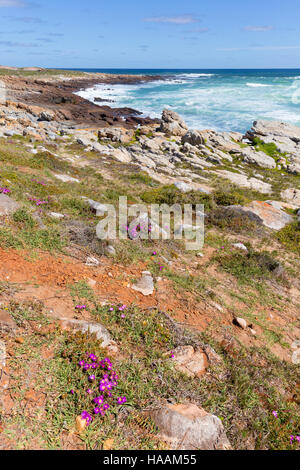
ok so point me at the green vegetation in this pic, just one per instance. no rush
(249, 267)
(269, 149)
(289, 236)
(171, 195)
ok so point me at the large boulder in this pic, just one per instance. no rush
(271, 217)
(7, 205)
(172, 123)
(193, 137)
(188, 427)
(263, 213)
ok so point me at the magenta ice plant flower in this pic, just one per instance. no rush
(85, 415)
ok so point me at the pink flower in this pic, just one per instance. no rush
(274, 413)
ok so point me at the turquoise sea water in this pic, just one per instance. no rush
(225, 100)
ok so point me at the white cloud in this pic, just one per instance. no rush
(258, 28)
(185, 19)
(11, 3)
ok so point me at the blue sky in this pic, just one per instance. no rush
(155, 34)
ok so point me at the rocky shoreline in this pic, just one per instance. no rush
(57, 95)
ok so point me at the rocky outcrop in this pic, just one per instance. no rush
(271, 216)
(245, 182)
(261, 213)
(258, 158)
(188, 427)
(116, 134)
(172, 124)
(285, 137)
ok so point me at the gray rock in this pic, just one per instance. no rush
(9, 133)
(100, 209)
(56, 215)
(110, 250)
(296, 344)
(291, 195)
(91, 261)
(278, 129)
(121, 154)
(46, 116)
(90, 327)
(116, 134)
(172, 124)
(244, 182)
(258, 158)
(296, 356)
(66, 178)
(188, 427)
(189, 361)
(241, 322)
(285, 137)
(182, 186)
(240, 246)
(271, 217)
(145, 285)
(193, 137)
(7, 205)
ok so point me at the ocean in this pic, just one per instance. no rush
(224, 100)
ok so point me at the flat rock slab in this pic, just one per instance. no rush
(90, 327)
(67, 179)
(244, 182)
(190, 362)
(7, 205)
(188, 427)
(271, 216)
(145, 285)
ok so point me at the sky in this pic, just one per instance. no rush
(157, 34)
